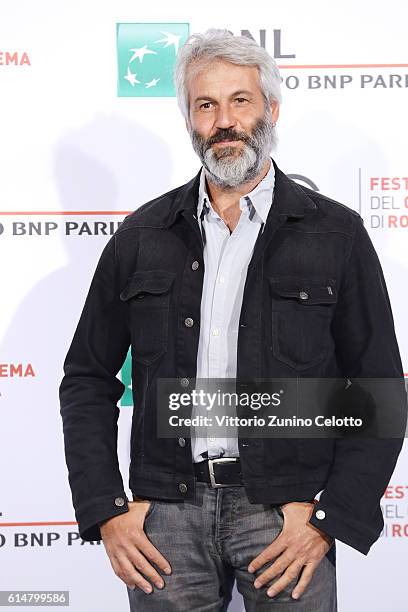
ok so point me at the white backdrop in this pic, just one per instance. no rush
(73, 152)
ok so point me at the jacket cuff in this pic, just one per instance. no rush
(90, 516)
(334, 524)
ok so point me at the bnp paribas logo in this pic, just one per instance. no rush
(126, 378)
(146, 56)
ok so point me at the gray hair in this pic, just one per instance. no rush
(220, 44)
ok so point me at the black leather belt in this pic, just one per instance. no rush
(220, 472)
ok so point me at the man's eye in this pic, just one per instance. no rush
(241, 100)
(205, 106)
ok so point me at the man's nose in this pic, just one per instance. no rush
(225, 117)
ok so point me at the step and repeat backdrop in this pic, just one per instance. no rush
(89, 131)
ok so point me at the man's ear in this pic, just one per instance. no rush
(274, 110)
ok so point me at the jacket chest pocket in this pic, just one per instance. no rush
(301, 313)
(148, 296)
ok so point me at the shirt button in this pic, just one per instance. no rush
(182, 487)
(181, 442)
(184, 382)
(119, 501)
(320, 514)
(215, 331)
(221, 280)
(188, 322)
(303, 295)
(212, 439)
(195, 265)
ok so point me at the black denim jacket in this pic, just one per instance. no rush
(310, 242)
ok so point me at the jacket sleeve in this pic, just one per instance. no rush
(366, 347)
(89, 392)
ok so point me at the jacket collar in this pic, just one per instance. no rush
(289, 199)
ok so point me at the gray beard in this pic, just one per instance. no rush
(229, 169)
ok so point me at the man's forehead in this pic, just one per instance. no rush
(229, 76)
(202, 69)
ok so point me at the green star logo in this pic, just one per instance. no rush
(146, 56)
(126, 378)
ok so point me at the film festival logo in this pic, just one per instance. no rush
(14, 58)
(146, 57)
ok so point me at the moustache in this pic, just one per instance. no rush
(226, 135)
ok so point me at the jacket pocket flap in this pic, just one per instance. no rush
(148, 281)
(305, 290)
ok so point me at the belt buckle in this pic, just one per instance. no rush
(211, 469)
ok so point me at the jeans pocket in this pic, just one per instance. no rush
(280, 516)
(279, 511)
(150, 508)
(331, 554)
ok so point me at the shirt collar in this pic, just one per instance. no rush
(260, 198)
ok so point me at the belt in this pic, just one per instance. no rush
(220, 472)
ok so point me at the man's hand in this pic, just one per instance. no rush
(298, 546)
(129, 549)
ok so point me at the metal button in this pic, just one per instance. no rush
(182, 487)
(320, 514)
(184, 382)
(181, 442)
(188, 322)
(303, 295)
(119, 501)
(195, 265)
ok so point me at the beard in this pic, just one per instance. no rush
(230, 166)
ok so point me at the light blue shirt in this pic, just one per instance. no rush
(226, 259)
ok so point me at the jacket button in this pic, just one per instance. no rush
(188, 322)
(303, 295)
(119, 501)
(320, 514)
(184, 382)
(195, 265)
(183, 487)
(181, 442)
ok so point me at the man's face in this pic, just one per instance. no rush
(229, 123)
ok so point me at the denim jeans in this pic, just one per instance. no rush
(209, 543)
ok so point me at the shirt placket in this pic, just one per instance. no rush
(217, 341)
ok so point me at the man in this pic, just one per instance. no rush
(242, 274)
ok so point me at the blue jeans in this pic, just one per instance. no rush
(209, 543)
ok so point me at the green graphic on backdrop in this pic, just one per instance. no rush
(126, 378)
(146, 57)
